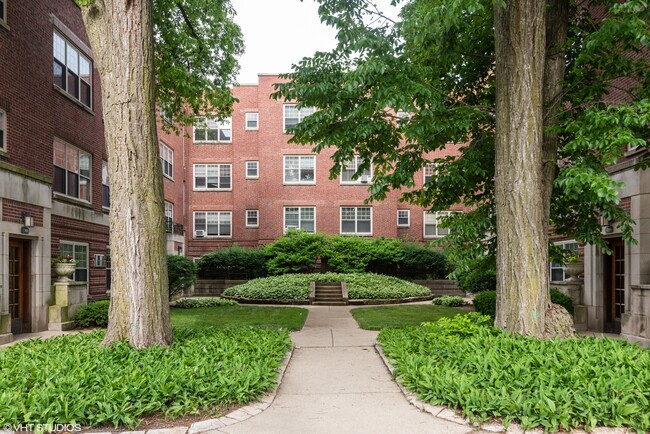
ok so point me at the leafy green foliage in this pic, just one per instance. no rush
(182, 273)
(92, 314)
(449, 300)
(295, 252)
(233, 263)
(231, 316)
(70, 379)
(486, 302)
(356, 254)
(478, 281)
(379, 317)
(423, 262)
(489, 373)
(192, 303)
(296, 286)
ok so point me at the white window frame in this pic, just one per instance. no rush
(407, 216)
(439, 231)
(167, 160)
(219, 176)
(252, 117)
(300, 219)
(300, 169)
(220, 215)
(249, 214)
(302, 114)
(106, 186)
(169, 216)
(70, 51)
(80, 153)
(365, 178)
(79, 265)
(257, 169)
(429, 171)
(559, 266)
(356, 220)
(3, 129)
(212, 124)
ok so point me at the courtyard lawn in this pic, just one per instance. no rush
(379, 317)
(290, 318)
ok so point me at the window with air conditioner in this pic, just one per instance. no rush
(350, 175)
(300, 217)
(213, 223)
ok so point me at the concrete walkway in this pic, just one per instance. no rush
(337, 383)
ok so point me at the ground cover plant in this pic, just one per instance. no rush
(379, 317)
(290, 318)
(449, 300)
(191, 303)
(486, 302)
(464, 362)
(296, 287)
(69, 379)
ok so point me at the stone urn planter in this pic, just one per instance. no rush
(573, 270)
(64, 270)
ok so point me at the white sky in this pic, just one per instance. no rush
(278, 33)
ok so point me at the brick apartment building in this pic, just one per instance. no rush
(236, 182)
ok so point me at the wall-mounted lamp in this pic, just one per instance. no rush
(608, 228)
(28, 220)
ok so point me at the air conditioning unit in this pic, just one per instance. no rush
(199, 234)
(99, 260)
(364, 179)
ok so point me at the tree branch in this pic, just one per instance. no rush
(189, 24)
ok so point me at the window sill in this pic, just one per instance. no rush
(356, 183)
(349, 234)
(71, 98)
(73, 201)
(211, 190)
(403, 226)
(213, 237)
(212, 143)
(252, 227)
(299, 183)
(169, 178)
(4, 153)
(634, 151)
(252, 177)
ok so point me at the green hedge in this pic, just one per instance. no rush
(182, 273)
(93, 314)
(233, 263)
(486, 302)
(556, 384)
(422, 262)
(449, 300)
(71, 379)
(295, 252)
(478, 281)
(358, 255)
(296, 286)
(192, 303)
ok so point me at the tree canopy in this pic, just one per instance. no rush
(436, 65)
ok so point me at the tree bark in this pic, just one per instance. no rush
(121, 36)
(522, 249)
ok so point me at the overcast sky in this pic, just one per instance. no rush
(278, 33)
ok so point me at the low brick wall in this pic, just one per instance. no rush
(213, 287)
(440, 287)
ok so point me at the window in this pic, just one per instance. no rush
(169, 216)
(79, 252)
(166, 115)
(293, 115)
(213, 223)
(299, 169)
(252, 169)
(252, 121)
(3, 11)
(432, 224)
(403, 218)
(556, 268)
(3, 129)
(71, 171)
(429, 171)
(403, 117)
(207, 130)
(300, 217)
(252, 218)
(350, 168)
(72, 70)
(106, 190)
(356, 220)
(212, 176)
(167, 159)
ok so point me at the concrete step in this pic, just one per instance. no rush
(329, 303)
(334, 298)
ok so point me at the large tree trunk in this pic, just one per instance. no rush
(121, 36)
(522, 249)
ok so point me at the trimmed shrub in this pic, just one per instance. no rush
(449, 300)
(296, 286)
(233, 263)
(486, 302)
(357, 255)
(191, 303)
(422, 262)
(93, 314)
(295, 252)
(478, 281)
(182, 273)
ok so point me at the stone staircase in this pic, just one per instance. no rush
(328, 293)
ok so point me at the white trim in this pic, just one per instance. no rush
(301, 116)
(300, 158)
(206, 188)
(436, 214)
(563, 243)
(300, 208)
(218, 124)
(257, 218)
(166, 149)
(194, 232)
(257, 121)
(408, 218)
(356, 220)
(257, 169)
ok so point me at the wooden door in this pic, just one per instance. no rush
(19, 286)
(615, 287)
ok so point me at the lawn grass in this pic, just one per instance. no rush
(290, 318)
(379, 317)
